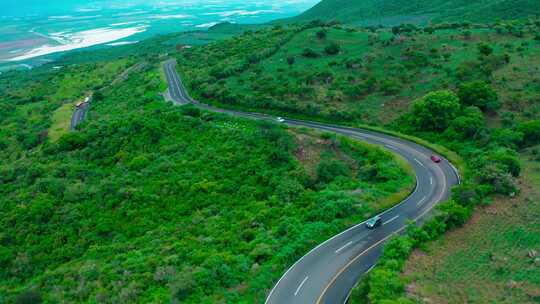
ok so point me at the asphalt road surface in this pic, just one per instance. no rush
(328, 272)
(80, 112)
(79, 115)
(177, 91)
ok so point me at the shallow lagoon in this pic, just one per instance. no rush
(32, 29)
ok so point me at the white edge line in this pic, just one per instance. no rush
(370, 268)
(391, 220)
(332, 238)
(455, 171)
(300, 286)
(358, 225)
(382, 241)
(350, 291)
(421, 202)
(343, 247)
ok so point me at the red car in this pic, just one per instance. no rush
(436, 159)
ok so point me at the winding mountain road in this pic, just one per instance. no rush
(328, 272)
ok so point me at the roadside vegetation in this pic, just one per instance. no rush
(148, 202)
(493, 258)
(30, 99)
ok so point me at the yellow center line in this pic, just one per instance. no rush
(375, 245)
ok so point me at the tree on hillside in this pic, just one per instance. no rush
(332, 49)
(384, 284)
(485, 49)
(309, 53)
(498, 168)
(321, 35)
(531, 132)
(447, 56)
(507, 159)
(291, 60)
(468, 125)
(98, 96)
(29, 297)
(330, 169)
(455, 215)
(479, 94)
(435, 111)
(429, 30)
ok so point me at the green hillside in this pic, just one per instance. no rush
(147, 202)
(374, 75)
(391, 12)
(471, 88)
(152, 203)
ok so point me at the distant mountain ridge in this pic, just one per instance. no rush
(390, 12)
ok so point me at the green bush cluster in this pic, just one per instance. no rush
(491, 152)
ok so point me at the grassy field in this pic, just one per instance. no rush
(488, 260)
(61, 121)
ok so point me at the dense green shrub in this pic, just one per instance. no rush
(384, 284)
(310, 53)
(485, 49)
(508, 138)
(505, 158)
(329, 170)
(321, 34)
(435, 111)
(29, 297)
(468, 125)
(332, 49)
(291, 60)
(390, 86)
(72, 141)
(531, 132)
(466, 194)
(455, 214)
(429, 30)
(479, 94)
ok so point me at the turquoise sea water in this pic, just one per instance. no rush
(31, 30)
